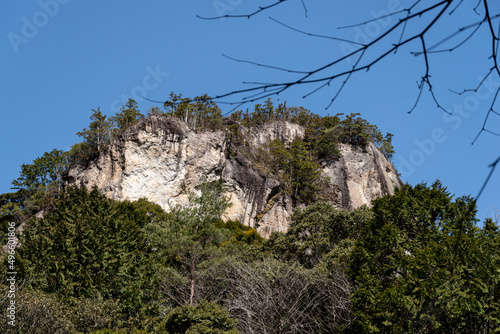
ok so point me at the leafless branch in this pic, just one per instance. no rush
(490, 111)
(305, 7)
(476, 25)
(346, 80)
(258, 11)
(477, 6)
(315, 35)
(478, 86)
(494, 38)
(326, 80)
(492, 169)
(373, 20)
(454, 9)
(421, 16)
(263, 65)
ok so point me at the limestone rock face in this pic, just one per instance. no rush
(162, 160)
(360, 176)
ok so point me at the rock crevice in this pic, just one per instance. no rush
(161, 159)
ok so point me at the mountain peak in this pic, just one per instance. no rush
(163, 160)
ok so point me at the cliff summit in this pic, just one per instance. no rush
(162, 159)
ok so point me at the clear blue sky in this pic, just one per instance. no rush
(60, 59)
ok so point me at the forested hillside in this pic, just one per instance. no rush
(414, 262)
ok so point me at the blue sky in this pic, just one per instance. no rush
(62, 58)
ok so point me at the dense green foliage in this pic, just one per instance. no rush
(293, 165)
(422, 265)
(320, 234)
(11, 210)
(415, 262)
(89, 247)
(40, 181)
(204, 317)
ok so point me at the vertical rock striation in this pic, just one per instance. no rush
(162, 160)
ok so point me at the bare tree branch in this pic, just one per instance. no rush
(305, 7)
(494, 39)
(306, 79)
(263, 65)
(373, 20)
(491, 110)
(414, 23)
(492, 169)
(454, 9)
(315, 35)
(476, 25)
(258, 11)
(478, 86)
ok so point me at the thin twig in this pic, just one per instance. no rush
(263, 65)
(478, 86)
(373, 20)
(315, 35)
(492, 166)
(258, 11)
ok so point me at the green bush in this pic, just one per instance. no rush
(203, 318)
(240, 233)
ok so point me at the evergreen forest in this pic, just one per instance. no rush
(418, 261)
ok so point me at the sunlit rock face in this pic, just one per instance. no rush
(162, 160)
(361, 175)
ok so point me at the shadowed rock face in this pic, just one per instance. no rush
(161, 159)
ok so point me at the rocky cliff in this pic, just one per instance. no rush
(161, 159)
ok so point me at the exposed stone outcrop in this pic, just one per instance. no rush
(161, 159)
(361, 175)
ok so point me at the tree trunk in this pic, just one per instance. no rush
(191, 293)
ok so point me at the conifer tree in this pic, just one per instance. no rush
(190, 235)
(40, 182)
(98, 134)
(128, 115)
(422, 265)
(87, 248)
